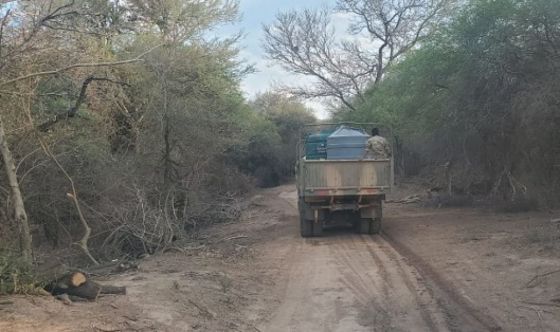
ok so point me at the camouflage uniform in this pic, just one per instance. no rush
(377, 147)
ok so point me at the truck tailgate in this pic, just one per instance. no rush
(343, 177)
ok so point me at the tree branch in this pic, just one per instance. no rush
(81, 98)
(2, 25)
(304, 43)
(79, 65)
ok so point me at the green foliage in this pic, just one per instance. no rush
(149, 147)
(480, 94)
(276, 121)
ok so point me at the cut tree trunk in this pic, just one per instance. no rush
(72, 280)
(77, 284)
(20, 213)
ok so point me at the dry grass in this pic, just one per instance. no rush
(16, 277)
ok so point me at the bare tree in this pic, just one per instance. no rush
(19, 212)
(382, 30)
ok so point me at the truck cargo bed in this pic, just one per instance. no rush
(344, 177)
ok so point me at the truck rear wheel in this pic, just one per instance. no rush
(375, 226)
(369, 226)
(305, 226)
(363, 226)
(375, 223)
(317, 228)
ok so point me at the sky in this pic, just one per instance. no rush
(255, 13)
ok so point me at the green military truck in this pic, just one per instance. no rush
(335, 185)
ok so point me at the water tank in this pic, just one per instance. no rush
(316, 145)
(346, 143)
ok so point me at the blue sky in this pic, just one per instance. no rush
(255, 13)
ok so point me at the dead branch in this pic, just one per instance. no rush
(203, 310)
(533, 282)
(407, 200)
(2, 25)
(542, 304)
(83, 243)
(102, 329)
(538, 312)
(173, 248)
(231, 238)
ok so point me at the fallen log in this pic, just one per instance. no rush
(77, 284)
(76, 279)
(89, 290)
(63, 284)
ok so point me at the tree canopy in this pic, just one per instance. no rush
(481, 94)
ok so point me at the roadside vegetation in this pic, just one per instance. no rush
(123, 129)
(470, 88)
(478, 100)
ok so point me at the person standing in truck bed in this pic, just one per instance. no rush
(377, 147)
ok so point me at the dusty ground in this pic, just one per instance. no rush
(431, 270)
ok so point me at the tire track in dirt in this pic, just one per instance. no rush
(384, 288)
(406, 275)
(365, 285)
(346, 255)
(388, 282)
(460, 310)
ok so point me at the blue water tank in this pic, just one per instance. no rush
(316, 145)
(346, 143)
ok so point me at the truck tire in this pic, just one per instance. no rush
(375, 223)
(369, 226)
(363, 226)
(375, 226)
(305, 226)
(317, 228)
(379, 212)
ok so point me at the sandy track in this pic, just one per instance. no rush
(353, 283)
(350, 282)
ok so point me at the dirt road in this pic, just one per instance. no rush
(353, 283)
(431, 270)
(350, 282)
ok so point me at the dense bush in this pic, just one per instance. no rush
(277, 126)
(144, 139)
(480, 96)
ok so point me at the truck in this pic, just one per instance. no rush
(337, 188)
